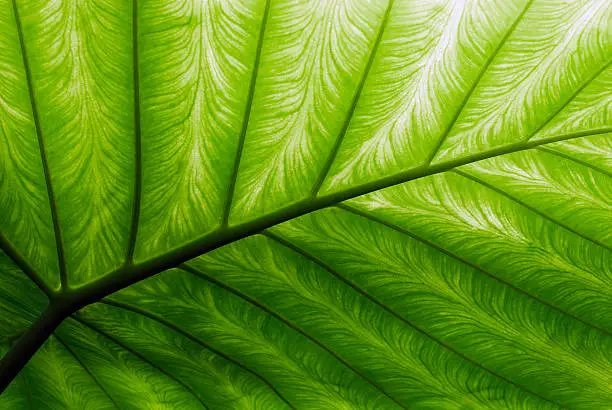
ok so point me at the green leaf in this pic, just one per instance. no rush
(305, 204)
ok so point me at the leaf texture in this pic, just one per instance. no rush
(430, 57)
(79, 54)
(590, 109)
(386, 267)
(206, 114)
(26, 216)
(594, 151)
(195, 58)
(557, 47)
(313, 58)
(391, 204)
(22, 301)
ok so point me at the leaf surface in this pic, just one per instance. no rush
(362, 204)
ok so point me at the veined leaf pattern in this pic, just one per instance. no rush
(547, 183)
(435, 286)
(23, 188)
(593, 151)
(361, 330)
(80, 59)
(345, 204)
(195, 58)
(22, 302)
(313, 58)
(428, 60)
(590, 109)
(560, 53)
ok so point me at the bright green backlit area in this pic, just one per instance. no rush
(442, 171)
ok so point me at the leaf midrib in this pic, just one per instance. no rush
(130, 274)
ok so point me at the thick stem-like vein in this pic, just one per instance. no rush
(288, 323)
(130, 274)
(29, 343)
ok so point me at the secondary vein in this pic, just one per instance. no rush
(128, 275)
(440, 249)
(578, 90)
(138, 355)
(336, 147)
(89, 373)
(532, 209)
(481, 74)
(12, 252)
(383, 306)
(288, 323)
(47, 174)
(576, 160)
(247, 114)
(184, 333)
(29, 391)
(137, 139)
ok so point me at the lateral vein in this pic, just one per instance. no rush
(383, 306)
(29, 390)
(138, 355)
(137, 139)
(336, 147)
(570, 99)
(288, 323)
(247, 114)
(89, 373)
(184, 333)
(577, 161)
(128, 275)
(532, 209)
(47, 173)
(396, 228)
(23, 264)
(481, 74)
